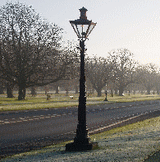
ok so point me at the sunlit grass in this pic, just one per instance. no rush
(37, 106)
(127, 130)
(62, 100)
(125, 98)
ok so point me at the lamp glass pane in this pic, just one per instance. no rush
(82, 30)
(90, 28)
(75, 29)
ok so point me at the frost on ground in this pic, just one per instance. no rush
(132, 143)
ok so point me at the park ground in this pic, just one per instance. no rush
(135, 142)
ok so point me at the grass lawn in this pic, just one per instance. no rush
(61, 100)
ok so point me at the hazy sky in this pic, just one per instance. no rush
(131, 24)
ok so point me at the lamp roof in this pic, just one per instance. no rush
(83, 13)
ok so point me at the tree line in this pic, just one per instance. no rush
(119, 71)
(32, 53)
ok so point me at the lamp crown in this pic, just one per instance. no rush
(83, 13)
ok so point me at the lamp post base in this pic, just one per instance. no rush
(81, 147)
(78, 147)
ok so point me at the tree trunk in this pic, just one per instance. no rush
(1, 89)
(22, 92)
(57, 91)
(148, 90)
(157, 91)
(67, 92)
(111, 92)
(129, 92)
(116, 91)
(134, 92)
(121, 91)
(99, 93)
(76, 89)
(33, 91)
(9, 91)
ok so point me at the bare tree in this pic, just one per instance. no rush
(123, 68)
(1, 86)
(29, 48)
(147, 75)
(98, 72)
(157, 81)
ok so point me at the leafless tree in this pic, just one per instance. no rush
(30, 48)
(147, 75)
(98, 72)
(157, 81)
(123, 68)
(1, 86)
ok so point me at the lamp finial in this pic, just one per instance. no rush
(83, 13)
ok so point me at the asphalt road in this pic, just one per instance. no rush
(36, 128)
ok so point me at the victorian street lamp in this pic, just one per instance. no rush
(82, 28)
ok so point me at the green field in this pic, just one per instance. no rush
(61, 100)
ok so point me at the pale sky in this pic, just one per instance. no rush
(131, 24)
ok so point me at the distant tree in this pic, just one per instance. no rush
(89, 87)
(56, 87)
(1, 86)
(33, 91)
(29, 48)
(123, 68)
(98, 72)
(157, 81)
(76, 85)
(6, 85)
(146, 75)
(71, 54)
(72, 72)
(111, 86)
(1, 89)
(132, 88)
(10, 87)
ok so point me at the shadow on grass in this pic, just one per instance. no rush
(153, 158)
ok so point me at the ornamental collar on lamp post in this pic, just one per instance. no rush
(82, 26)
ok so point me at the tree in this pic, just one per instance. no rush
(147, 75)
(29, 48)
(157, 83)
(98, 72)
(33, 91)
(10, 87)
(123, 68)
(1, 87)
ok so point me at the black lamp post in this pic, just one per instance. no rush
(82, 28)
